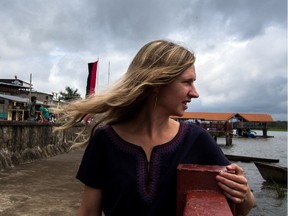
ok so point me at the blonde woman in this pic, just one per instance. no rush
(129, 165)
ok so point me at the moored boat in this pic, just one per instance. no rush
(273, 173)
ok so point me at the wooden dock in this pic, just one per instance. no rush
(250, 159)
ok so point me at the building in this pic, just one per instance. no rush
(15, 96)
(243, 123)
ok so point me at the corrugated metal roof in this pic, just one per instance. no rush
(23, 100)
(255, 117)
(14, 98)
(11, 84)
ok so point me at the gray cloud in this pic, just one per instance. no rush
(241, 46)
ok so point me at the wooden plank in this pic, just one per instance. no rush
(250, 159)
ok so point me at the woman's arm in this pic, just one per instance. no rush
(236, 188)
(91, 202)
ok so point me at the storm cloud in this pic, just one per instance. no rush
(241, 46)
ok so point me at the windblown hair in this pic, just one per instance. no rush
(156, 64)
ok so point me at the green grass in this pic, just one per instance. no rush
(277, 126)
(279, 190)
(278, 129)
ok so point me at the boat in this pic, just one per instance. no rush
(250, 159)
(250, 134)
(272, 173)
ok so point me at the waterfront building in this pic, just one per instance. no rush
(15, 97)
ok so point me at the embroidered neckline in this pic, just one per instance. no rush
(147, 181)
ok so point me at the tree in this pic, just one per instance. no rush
(69, 94)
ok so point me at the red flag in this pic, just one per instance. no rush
(91, 80)
(91, 84)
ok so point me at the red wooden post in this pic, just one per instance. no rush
(206, 203)
(198, 192)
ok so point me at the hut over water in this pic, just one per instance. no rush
(243, 123)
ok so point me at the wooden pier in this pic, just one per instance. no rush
(224, 124)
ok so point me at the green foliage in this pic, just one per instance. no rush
(277, 125)
(280, 190)
(69, 94)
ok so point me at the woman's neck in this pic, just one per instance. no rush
(148, 126)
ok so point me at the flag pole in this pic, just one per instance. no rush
(108, 73)
(30, 88)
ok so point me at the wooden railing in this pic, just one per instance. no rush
(250, 125)
(217, 126)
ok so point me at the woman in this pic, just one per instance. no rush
(129, 165)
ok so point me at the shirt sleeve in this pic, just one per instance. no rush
(92, 166)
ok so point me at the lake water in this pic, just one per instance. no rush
(267, 201)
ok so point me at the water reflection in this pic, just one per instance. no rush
(267, 201)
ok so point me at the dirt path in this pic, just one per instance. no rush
(42, 188)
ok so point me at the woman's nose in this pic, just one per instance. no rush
(193, 92)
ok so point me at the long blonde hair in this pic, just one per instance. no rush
(156, 64)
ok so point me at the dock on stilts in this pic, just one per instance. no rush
(229, 124)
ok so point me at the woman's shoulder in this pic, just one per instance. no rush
(194, 131)
(98, 137)
(100, 130)
(191, 127)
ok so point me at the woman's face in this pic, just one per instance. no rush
(174, 97)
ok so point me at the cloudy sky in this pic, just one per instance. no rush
(241, 46)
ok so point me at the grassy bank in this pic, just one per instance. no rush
(277, 126)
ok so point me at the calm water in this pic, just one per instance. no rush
(267, 201)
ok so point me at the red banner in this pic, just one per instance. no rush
(91, 80)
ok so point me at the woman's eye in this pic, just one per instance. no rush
(189, 82)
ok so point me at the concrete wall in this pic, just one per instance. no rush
(24, 142)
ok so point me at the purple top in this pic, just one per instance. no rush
(120, 169)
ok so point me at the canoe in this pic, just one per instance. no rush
(250, 159)
(273, 173)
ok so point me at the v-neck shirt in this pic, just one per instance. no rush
(133, 186)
